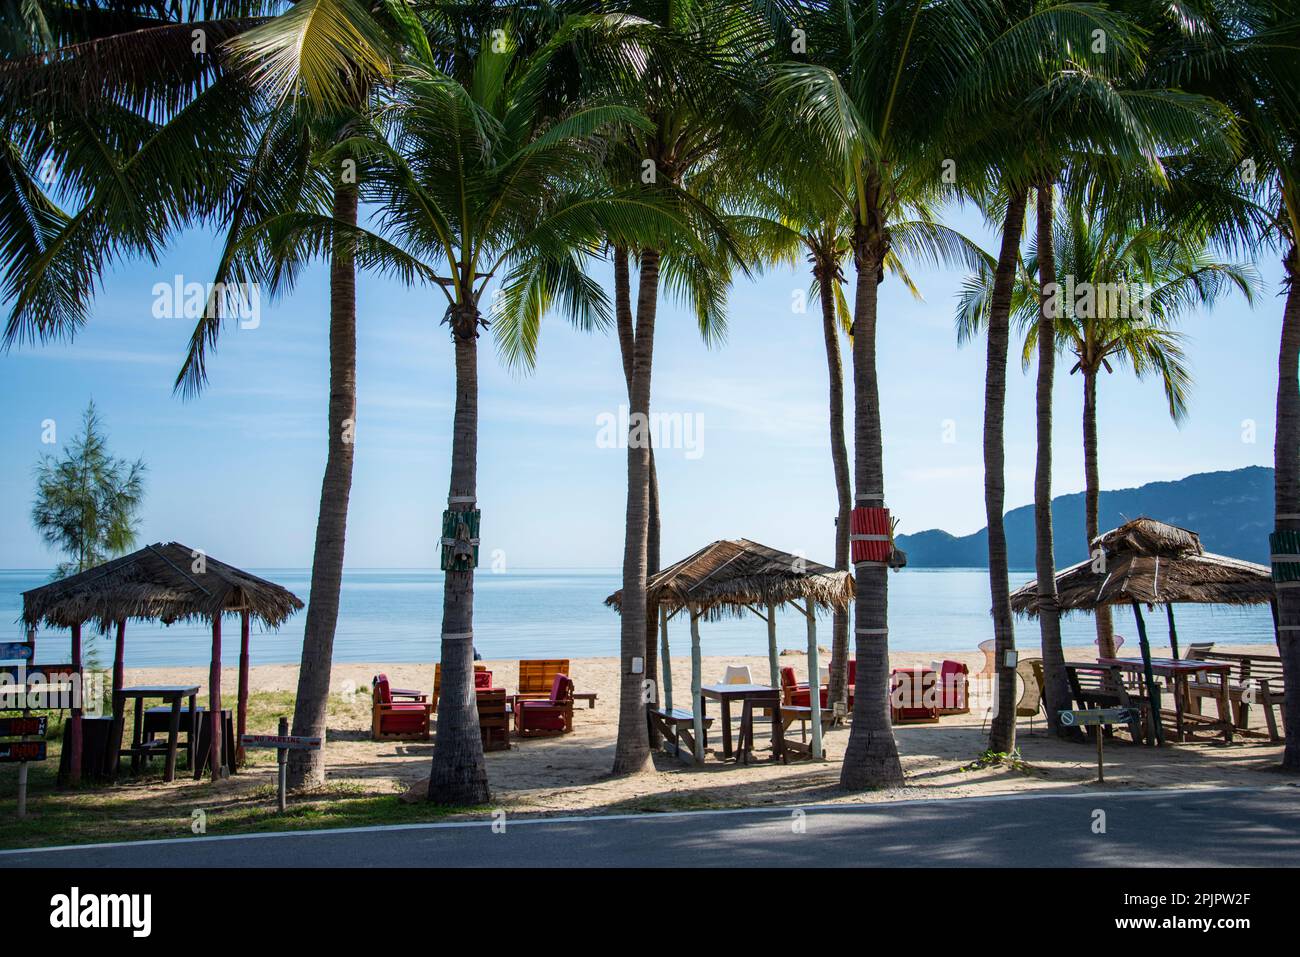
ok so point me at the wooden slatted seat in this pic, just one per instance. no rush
(494, 719)
(1255, 679)
(677, 726)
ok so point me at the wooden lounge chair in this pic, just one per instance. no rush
(1255, 679)
(494, 719)
(535, 719)
(391, 719)
(536, 676)
(482, 680)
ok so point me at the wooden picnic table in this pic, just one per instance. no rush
(1179, 671)
(726, 694)
(172, 695)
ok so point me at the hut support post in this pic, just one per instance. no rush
(773, 667)
(697, 703)
(1153, 693)
(241, 725)
(1173, 629)
(214, 699)
(666, 670)
(74, 728)
(119, 659)
(814, 680)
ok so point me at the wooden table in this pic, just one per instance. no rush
(1179, 671)
(727, 694)
(172, 695)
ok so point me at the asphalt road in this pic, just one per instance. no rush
(1212, 828)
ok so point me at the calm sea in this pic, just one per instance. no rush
(393, 616)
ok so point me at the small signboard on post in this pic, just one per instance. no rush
(17, 651)
(1097, 717)
(284, 742)
(20, 752)
(19, 727)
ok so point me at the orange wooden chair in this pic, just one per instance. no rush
(398, 720)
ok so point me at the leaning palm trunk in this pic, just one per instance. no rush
(632, 752)
(458, 775)
(826, 275)
(626, 346)
(307, 768)
(1092, 490)
(1057, 690)
(1286, 470)
(1002, 729)
(871, 755)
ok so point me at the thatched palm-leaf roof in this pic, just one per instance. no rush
(728, 576)
(1156, 564)
(158, 582)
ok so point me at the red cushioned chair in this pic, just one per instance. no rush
(953, 676)
(535, 719)
(796, 693)
(397, 719)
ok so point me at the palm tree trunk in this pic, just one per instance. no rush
(1286, 471)
(838, 691)
(307, 768)
(1057, 690)
(632, 752)
(871, 755)
(626, 345)
(1091, 491)
(1002, 729)
(458, 775)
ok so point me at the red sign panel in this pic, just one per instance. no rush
(20, 727)
(12, 752)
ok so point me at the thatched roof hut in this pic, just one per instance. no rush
(1156, 564)
(166, 583)
(157, 583)
(732, 575)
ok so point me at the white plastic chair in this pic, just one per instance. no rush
(824, 674)
(737, 675)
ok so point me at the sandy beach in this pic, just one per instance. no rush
(571, 772)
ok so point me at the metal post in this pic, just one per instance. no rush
(22, 790)
(1153, 692)
(281, 758)
(773, 664)
(1101, 777)
(667, 670)
(74, 732)
(697, 704)
(814, 680)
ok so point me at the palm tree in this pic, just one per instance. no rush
(1065, 102)
(690, 68)
(797, 211)
(483, 173)
(881, 75)
(1124, 287)
(1242, 52)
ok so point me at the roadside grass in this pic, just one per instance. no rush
(142, 807)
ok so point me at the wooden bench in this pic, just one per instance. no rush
(535, 677)
(676, 726)
(1097, 687)
(1254, 679)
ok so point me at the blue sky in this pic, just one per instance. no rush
(237, 471)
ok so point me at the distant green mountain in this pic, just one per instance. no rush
(1232, 512)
